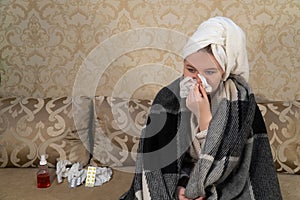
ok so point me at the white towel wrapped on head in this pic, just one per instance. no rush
(228, 45)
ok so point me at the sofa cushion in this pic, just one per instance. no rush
(117, 130)
(283, 125)
(20, 184)
(30, 127)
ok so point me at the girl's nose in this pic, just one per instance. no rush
(198, 79)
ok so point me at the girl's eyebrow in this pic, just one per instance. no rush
(190, 65)
(212, 68)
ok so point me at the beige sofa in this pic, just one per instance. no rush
(104, 131)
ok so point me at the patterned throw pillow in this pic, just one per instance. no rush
(283, 125)
(117, 129)
(56, 127)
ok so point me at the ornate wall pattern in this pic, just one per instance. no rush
(44, 43)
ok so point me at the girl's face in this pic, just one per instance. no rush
(205, 64)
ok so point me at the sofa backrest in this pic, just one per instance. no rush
(107, 130)
(282, 120)
(120, 122)
(30, 127)
(118, 125)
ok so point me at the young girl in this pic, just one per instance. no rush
(205, 137)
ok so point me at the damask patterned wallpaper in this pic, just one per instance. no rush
(67, 47)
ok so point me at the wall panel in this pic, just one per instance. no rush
(44, 44)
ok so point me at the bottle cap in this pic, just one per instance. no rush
(43, 160)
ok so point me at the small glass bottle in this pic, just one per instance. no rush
(43, 174)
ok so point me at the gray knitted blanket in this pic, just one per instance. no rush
(235, 162)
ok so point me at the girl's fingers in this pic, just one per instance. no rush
(200, 198)
(203, 92)
(181, 196)
(198, 91)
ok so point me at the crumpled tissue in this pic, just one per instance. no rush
(76, 175)
(206, 86)
(188, 83)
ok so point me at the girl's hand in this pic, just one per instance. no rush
(200, 198)
(197, 102)
(180, 193)
(181, 196)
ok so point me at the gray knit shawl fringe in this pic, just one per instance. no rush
(235, 162)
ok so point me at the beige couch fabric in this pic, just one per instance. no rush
(19, 184)
(30, 127)
(62, 128)
(127, 117)
(118, 125)
(283, 123)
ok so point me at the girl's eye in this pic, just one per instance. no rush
(192, 70)
(210, 72)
